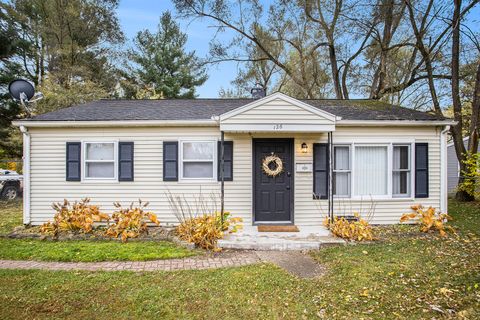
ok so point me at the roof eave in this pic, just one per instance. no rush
(114, 123)
(360, 123)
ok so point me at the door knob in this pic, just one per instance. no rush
(288, 187)
(289, 174)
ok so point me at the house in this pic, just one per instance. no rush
(341, 156)
(453, 167)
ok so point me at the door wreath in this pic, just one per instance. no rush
(269, 160)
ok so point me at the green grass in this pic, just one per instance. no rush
(398, 278)
(80, 250)
(89, 251)
(10, 215)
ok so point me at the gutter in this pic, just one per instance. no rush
(379, 123)
(443, 169)
(113, 123)
(26, 175)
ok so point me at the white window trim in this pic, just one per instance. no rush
(389, 195)
(410, 164)
(85, 161)
(347, 171)
(181, 178)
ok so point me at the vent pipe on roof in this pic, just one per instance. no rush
(258, 91)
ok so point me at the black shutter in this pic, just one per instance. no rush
(228, 160)
(170, 161)
(320, 170)
(421, 170)
(73, 162)
(125, 161)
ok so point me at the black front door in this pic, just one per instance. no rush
(273, 196)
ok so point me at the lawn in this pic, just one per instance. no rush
(84, 251)
(403, 277)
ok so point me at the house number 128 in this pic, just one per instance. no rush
(278, 126)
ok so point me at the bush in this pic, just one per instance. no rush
(204, 231)
(357, 230)
(76, 217)
(130, 222)
(429, 219)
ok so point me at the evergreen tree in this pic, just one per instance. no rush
(162, 64)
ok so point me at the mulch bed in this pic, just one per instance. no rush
(154, 234)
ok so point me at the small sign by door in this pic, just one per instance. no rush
(304, 167)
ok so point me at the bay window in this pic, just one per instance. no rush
(371, 170)
(341, 171)
(381, 170)
(100, 160)
(401, 171)
(198, 159)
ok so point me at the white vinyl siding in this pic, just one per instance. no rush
(48, 171)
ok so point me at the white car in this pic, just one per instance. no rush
(11, 184)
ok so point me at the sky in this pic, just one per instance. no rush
(138, 15)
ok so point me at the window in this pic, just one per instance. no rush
(198, 159)
(401, 171)
(100, 160)
(371, 170)
(341, 171)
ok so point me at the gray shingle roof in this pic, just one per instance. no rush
(203, 109)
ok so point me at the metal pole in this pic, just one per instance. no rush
(222, 174)
(330, 177)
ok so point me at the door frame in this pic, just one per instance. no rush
(291, 146)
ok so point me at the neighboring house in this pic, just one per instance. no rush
(453, 167)
(123, 150)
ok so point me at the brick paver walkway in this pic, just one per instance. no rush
(234, 259)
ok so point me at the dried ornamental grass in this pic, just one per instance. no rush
(76, 217)
(429, 219)
(205, 230)
(130, 222)
(357, 230)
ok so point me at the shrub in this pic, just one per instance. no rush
(471, 183)
(130, 222)
(357, 230)
(76, 217)
(204, 231)
(429, 219)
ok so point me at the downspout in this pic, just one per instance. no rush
(222, 170)
(26, 175)
(222, 175)
(443, 169)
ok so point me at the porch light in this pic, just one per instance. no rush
(304, 148)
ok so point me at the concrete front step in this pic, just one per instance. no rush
(263, 243)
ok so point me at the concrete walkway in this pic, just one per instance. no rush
(296, 263)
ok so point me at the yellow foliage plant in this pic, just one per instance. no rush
(356, 230)
(205, 230)
(130, 222)
(76, 217)
(429, 219)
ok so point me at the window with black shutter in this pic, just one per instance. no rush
(228, 160)
(73, 163)
(125, 161)
(421, 170)
(170, 161)
(320, 170)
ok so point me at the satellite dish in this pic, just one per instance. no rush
(21, 90)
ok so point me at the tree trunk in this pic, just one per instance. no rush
(457, 105)
(335, 74)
